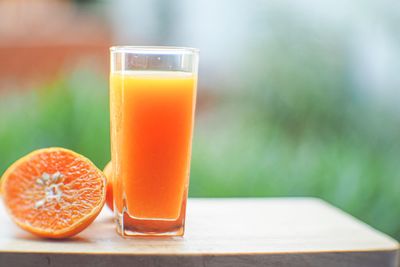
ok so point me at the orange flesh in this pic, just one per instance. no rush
(53, 192)
(152, 121)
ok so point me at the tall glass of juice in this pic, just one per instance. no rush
(152, 104)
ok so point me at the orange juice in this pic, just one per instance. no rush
(152, 122)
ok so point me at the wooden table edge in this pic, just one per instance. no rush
(233, 253)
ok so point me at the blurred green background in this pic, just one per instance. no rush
(296, 98)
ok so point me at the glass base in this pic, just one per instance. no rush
(132, 227)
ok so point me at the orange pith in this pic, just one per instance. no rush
(53, 192)
(109, 196)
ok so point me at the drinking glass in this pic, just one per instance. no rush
(152, 104)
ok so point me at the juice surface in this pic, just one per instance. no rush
(152, 123)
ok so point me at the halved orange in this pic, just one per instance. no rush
(109, 195)
(53, 192)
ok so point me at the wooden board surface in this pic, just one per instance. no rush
(219, 232)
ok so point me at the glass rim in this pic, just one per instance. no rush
(154, 49)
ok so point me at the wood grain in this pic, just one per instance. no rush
(220, 232)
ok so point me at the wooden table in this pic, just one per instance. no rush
(220, 232)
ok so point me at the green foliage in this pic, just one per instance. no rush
(70, 113)
(297, 126)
